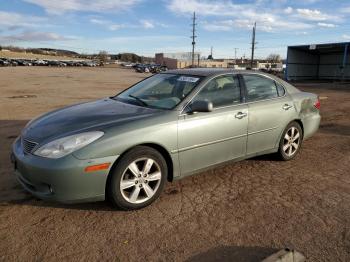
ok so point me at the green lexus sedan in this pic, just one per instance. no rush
(124, 148)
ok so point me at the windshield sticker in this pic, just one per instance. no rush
(188, 79)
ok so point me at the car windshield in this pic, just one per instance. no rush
(163, 91)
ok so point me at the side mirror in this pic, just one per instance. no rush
(201, 106)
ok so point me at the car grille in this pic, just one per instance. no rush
(28, 146)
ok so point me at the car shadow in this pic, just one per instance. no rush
(268, 157)
(35, 202)
(233, 253)
(26, 199)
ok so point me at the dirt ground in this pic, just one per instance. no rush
(239, 212)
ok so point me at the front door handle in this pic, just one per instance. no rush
(240, 115)
(287, 107)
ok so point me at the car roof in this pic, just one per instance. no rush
(200, 71)
(211, 71)
(208, 72)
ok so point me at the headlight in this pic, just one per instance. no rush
(66, 145)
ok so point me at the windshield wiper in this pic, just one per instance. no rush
(139, 100)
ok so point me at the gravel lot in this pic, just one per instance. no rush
(239, 212)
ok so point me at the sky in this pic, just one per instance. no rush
(147, 27)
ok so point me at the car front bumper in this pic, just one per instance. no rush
(62, 180)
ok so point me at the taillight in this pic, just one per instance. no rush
(317, 104)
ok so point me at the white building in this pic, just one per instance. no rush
(182, 56)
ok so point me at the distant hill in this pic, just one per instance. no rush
(60, 52)
(41, 51)
(131, 57)
(18, 52)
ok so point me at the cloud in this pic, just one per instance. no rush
(241, 15)
(114, 27)
(345, 10)
(288, 10)
(302, 33)
(147, 24)
(224, 25)
(143, 39)
(108, 24)
(205, 8)
(99, 21)
(270, 17)
(33, 36)
(13, 20)
(269, 25)
(314, 15)
(327, 25)
(346, 37)
(98, 6)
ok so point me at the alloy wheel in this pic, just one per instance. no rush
(291, 141)
(140, 180)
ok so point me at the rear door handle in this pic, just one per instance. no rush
(240, 115)
(287, 107)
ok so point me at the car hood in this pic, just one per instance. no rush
(84, 117)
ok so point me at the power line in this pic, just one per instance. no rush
(193, 36)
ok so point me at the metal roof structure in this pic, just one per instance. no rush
(318, 61)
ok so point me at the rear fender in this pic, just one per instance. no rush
(308, 114)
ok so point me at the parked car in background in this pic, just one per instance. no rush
(141, 68)
(4, 62)
(13, 63)
(78, 63)
(57, 63)
(166, 127)
(39, 62)
(89, 63)
(24, 62)
(129, 65)
(158, 68)
(46, 62)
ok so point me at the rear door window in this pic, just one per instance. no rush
(259, 87)
(280, 89)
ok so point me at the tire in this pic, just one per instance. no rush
(138, 179)
(291, 140)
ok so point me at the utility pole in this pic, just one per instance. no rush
(253, 46)
(198, 60)
(235, 53)
(193, 36)
(210, 57)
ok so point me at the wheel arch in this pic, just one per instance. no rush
(294, 120)
(164, 152)
(301, 125)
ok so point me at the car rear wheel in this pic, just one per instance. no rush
(291, 141)
(138, 179)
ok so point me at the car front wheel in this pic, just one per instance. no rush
(291, 140)
(138, 179)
